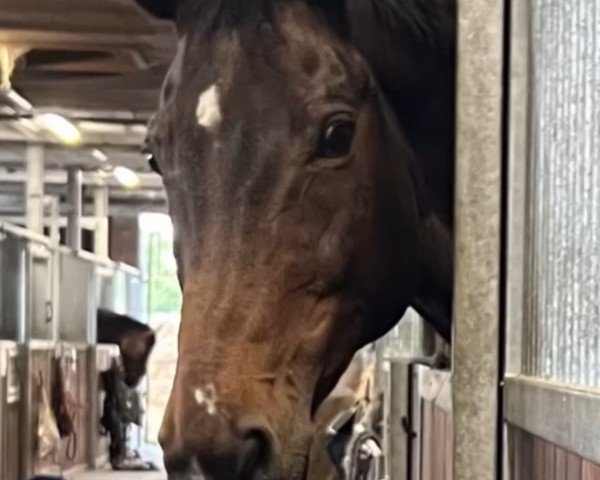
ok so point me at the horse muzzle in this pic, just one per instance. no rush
(220, 449)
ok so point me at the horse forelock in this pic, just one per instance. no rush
(208, 16)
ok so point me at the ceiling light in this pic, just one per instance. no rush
(19, 101)
(99, 155)
(29, 124)
(101, 127)
(60, 127)
(139, 129)
(126, 177)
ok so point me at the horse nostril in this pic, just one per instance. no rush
(176, 465)
(256, 454)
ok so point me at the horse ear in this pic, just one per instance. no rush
(165, 9)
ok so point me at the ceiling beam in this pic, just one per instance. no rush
(59, 177)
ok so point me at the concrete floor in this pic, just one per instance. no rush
(111, 475)
(148, 452)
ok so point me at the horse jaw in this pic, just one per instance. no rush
(433, 300)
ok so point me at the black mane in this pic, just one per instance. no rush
(211, 15)
(423, 18)
(426, 19)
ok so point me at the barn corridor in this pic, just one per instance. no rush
(106, 474)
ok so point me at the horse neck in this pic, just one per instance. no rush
(433, 300)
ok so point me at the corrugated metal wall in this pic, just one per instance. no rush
(562, 334)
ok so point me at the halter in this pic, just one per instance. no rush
(353, 446)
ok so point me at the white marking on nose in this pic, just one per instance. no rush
(207, 397)
(208, 111)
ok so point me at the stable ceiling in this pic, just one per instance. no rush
(99, 63)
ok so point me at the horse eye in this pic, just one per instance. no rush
(153, 163)
(336, 138)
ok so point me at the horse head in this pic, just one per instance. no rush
(302, 228)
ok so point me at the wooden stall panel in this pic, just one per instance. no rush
(449, 447)
(40, 367)
(12, 441)
(437, 443)
(427, 449)
(532, 458)
(590, 471)
(73, 450)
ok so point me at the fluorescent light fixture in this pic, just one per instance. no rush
(29, 124)
(60, 127)
(126, 177)
(101, 127)
(19, 101)
(99, 155)
(139, 129)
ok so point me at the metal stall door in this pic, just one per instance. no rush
(41, 294)
(417, 412)
(432, 400)
(77, 313)
(552, 386)
(13, 260)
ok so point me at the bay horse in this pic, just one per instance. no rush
(135, 340)
(306, 149)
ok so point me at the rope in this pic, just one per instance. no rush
(72, 442)
(8, 58)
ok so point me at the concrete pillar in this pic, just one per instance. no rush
(477, 241)
(74, 200)
(101, 199)
(34, 189)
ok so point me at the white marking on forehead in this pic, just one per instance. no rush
(207, 397)
(208, 111)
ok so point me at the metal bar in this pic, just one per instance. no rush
(87, 222)
(19, 232)
(101, 200)
(518, 154)
(34, 189)
(54, 234)
(477, 239)
(399, 415)
(564, 416)
(59, 177)
(74, 199)
(142, 122)
(93, 399)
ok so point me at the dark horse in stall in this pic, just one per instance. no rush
(306, 148)
(135, 340)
